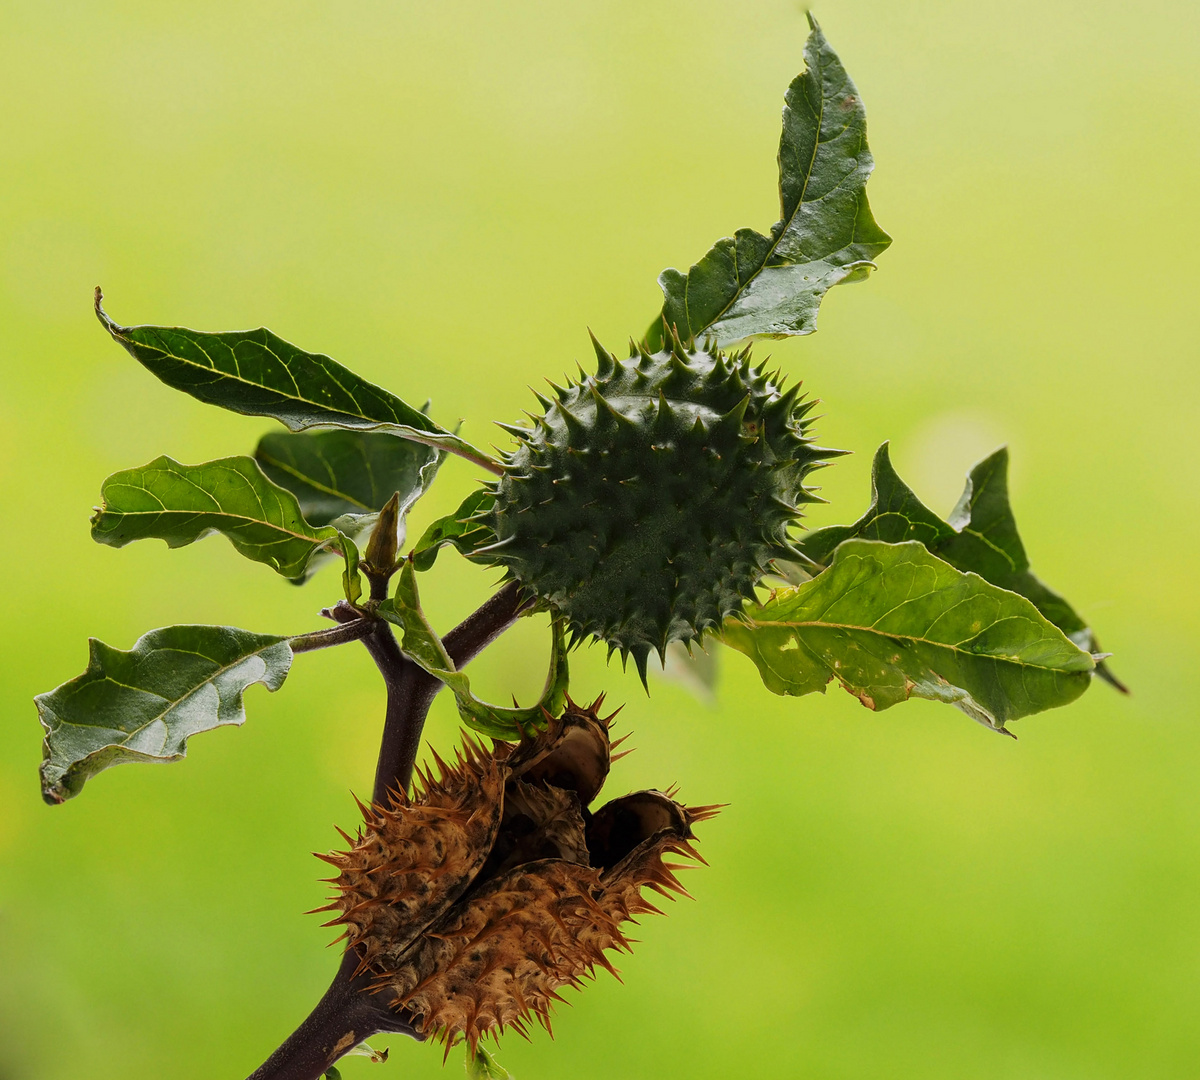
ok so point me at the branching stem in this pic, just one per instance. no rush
(348, 1013)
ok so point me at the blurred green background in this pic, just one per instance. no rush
(443, 196)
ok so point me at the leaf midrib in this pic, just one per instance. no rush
(288, 533)
(914, 638)
(316, 485)
(775, 242)
(785, 221)
(220, 512)
(214, 370)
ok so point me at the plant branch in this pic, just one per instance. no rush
(345, 1016)
(411, 689)
(352, 630)
(479, 629)
(348, 1013)
(398, 753)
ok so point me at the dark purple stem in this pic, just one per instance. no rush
(344, 1017)
(349, 1013)
(416, 688)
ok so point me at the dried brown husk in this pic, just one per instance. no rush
(473, 902)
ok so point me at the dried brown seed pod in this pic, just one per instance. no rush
(475, 900)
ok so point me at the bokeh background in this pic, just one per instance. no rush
(443, 196)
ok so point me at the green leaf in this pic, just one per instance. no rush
(481, 1065)
(890, 621)
(338, 472)
(144, 704)
(895, 515)
(181, 503)
(751, 284)
(981, 537)
(257, 373)
(466, 530)
(422, 644)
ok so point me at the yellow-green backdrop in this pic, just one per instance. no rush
(444, 196)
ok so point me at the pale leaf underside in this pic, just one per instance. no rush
(144, 704)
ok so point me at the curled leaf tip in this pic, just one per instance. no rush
(102, 315)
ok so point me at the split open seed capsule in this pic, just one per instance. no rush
(474, 900)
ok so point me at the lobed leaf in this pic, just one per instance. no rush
(751, 284)
(144, 704)
(257, 373)
(890, 621)
(181, 503)
(981, 537)
(422, 644)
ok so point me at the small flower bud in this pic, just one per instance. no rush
(380, 557)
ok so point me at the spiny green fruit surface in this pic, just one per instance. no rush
(647, 501)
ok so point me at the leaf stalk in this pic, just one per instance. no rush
(350, 630)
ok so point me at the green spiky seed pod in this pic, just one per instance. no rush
(647, 501)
